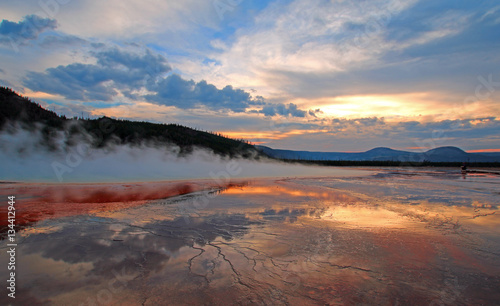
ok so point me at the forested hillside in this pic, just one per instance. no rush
(23, 112)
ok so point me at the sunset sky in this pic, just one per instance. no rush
(307, 75)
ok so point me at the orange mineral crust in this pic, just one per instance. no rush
(390, 238)
(36, 202)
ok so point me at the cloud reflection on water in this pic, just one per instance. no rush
(295, 241)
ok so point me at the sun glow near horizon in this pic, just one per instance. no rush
(418, 106)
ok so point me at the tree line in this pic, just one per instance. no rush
(31, 115)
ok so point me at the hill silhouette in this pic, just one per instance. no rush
(382, 154)
(14, 107)
(106, 131)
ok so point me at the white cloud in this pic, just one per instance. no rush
(118, 19)
(303, 37)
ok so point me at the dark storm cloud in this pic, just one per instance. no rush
(27, 29)
(86, 82)
(118, 71)
(53, 41)
(187, 94)
(283, 110)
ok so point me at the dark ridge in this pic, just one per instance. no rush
(447, 150)
(386, 156)
(14, 107)
(392, 163)
(380, 149)
(105, 131)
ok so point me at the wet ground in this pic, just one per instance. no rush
(384, 237)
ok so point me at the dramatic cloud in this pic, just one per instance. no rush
(283, 110)
(323, 49)
(336, 135)
(310, 38)
(27, 29)
(115, 69)
(184, 94)
(54, 41)
(322, 66)
(121, 72)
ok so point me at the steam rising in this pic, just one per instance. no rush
(26, 157)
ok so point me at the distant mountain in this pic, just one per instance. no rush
(442, 154)
(107, 131)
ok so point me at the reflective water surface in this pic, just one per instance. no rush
(395, 237)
